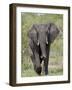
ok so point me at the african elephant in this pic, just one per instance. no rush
(40, 38)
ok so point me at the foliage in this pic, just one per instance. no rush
(56, 52)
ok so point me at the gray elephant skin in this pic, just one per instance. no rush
(40, 38)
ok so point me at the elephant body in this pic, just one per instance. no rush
(40, 38)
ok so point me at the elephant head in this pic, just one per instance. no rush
(41, 35)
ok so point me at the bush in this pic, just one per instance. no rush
(56, 52)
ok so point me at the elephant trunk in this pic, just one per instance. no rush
(43, 51)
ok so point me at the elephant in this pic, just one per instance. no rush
(40, 38)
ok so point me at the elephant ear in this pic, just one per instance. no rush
(53, 32)
(33, 35)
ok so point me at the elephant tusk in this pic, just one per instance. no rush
(38, 43)
(47, 42)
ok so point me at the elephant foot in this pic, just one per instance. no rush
(46, 71)
(38, 70)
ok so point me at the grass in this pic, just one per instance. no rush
(55, 66)
(56, 52)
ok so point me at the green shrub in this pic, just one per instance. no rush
(56, 52)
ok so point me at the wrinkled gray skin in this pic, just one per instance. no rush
(40, 38)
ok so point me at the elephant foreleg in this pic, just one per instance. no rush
(46, 66)
(46, 61)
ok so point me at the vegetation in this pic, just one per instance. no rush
(56, 51)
